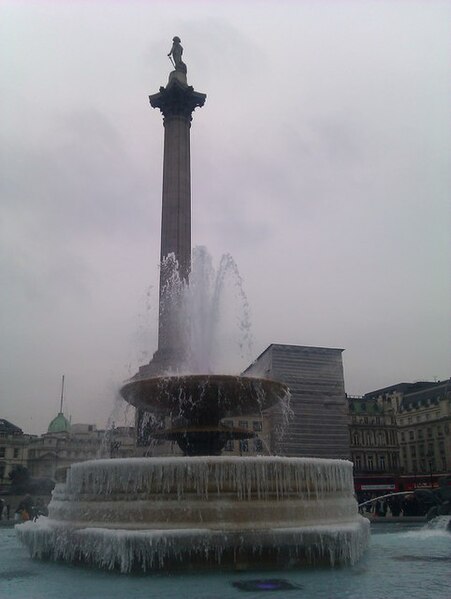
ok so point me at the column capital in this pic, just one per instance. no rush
(177, 99)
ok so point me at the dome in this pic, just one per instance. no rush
(60, 424)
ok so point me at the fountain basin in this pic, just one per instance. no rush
(166, 513)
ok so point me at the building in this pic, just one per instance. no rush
(424, 421)
(419, 415)
(260, 444)
(318, 426)
(65, 444)
(373, 437)
(13, 451)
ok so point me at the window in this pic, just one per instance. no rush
(420, 434)
(2, 452)
(228, 446)
(403, 437)
(257, 425)
(414, 466)
(228, 423)
(370, 463)
(242, 424)
(16, 453)
(411, 435)
(413, 452)
(258, 445)
(382, 462)
(355, 439)
(409, 420)
(429, 432)
(244, 446)
(358, 462)
(2, 469)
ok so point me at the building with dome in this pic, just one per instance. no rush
(60, 424)
(64, 444)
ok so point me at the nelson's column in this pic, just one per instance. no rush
(177, 102)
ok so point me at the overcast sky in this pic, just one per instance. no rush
(320, 161)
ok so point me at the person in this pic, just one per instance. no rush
(176, 52)
(25, 508)
(395, 506)
(39, 510)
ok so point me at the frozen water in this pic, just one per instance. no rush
(144, 550)
(152, 513)
(402, 562)
(260, 477)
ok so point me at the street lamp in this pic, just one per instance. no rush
(430, 457)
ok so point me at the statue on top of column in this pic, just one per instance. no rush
(176, 52)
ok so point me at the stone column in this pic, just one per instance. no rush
(177, 102)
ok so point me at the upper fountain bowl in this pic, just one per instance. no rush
(203, 399)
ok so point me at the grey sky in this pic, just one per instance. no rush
(320, 161)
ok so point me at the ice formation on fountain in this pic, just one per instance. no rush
(176, 512)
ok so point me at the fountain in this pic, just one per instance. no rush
(202, 509)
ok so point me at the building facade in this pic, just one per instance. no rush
(424, 421)
(53, 452)
(318, 425)
(13, 451)
(49, 455)
(373, 437)
(259, 444)
(400, 436)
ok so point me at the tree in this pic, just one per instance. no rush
(20, 479)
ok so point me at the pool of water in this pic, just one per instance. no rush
(403, 561)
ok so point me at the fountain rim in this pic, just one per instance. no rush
(226, 378)
(209, 460)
